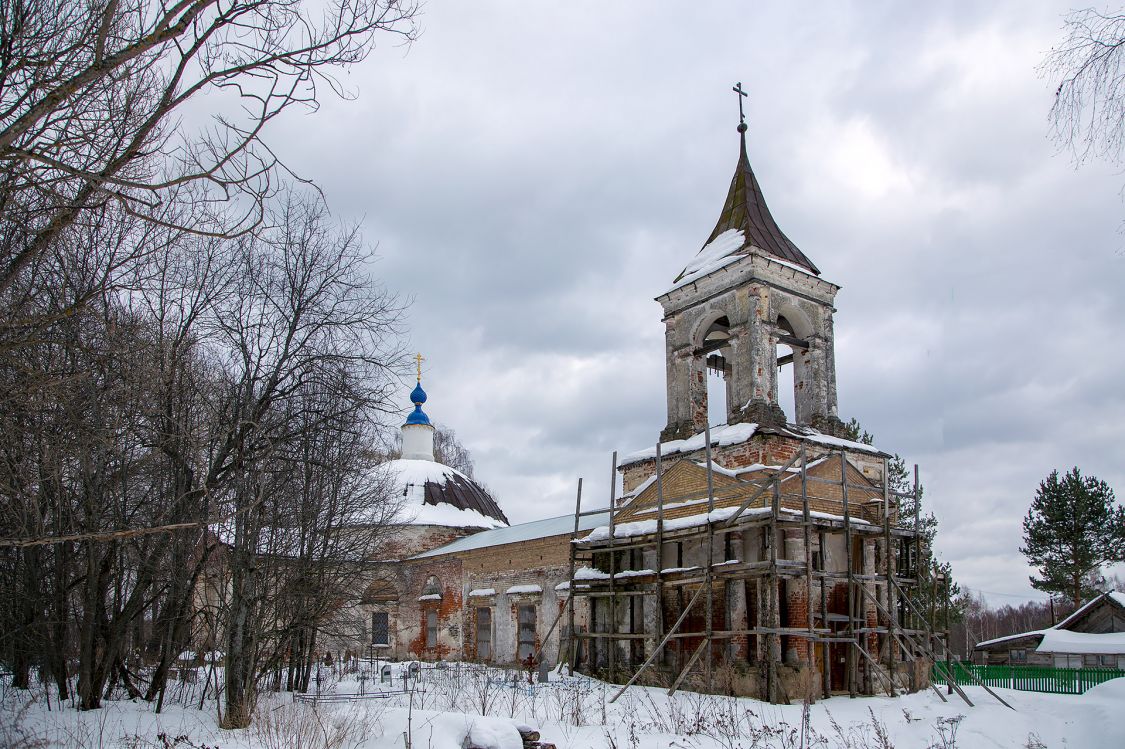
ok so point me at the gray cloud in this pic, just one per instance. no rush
(535, 175)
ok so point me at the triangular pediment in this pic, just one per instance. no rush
(684, 485)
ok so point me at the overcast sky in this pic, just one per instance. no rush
(535, 173)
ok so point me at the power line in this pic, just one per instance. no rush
(1024, 596)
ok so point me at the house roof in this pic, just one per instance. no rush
(745, 210)
(1112, 596)
(1059, 639)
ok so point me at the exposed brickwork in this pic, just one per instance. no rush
(797, 601)
(543, 562)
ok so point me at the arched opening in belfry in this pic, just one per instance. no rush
(786, 353)
(716, 350)
(792, 366)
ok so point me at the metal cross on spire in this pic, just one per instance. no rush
(419, 359)
(741, 116)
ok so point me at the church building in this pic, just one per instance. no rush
(764, 556)
(459, 582)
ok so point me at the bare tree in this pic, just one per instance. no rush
(181, 333)
(449, 451)
(94, 104)
(307, 341)
(240, 379)
(1088, 115)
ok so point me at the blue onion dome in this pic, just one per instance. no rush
(418, 416)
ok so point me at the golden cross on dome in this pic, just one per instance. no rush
(419, 358)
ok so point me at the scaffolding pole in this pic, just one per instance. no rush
(612, 571)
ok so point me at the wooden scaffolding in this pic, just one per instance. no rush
(898, 645)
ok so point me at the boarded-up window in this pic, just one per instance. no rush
(526, 632)
(484, 634)
(1067, 661)
(431, 628)
(380, 628)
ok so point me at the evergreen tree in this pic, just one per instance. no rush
(926, 595)
(1073, 528)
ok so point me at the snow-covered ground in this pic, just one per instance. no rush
(573, 713)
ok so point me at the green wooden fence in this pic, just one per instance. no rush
(1029, 678)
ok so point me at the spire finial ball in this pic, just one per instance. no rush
(742, 127)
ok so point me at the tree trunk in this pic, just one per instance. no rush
(241, 661)
(91, 678)
(58, 645)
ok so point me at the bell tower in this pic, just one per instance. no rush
(749, 303)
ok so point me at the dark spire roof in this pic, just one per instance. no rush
(746, 209)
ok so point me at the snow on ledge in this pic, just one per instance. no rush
(735, 434)
(482, 592)
(812, 435)
(721, 435)
(648, 527)
(430, 597)
(517, 590)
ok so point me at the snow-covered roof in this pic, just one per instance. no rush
(435, 494)
(736, 434)
(1058, 639)
(1065, 641)
(447, 515)
(513, 534)
(718, 253)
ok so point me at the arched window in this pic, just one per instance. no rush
(432, 586)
